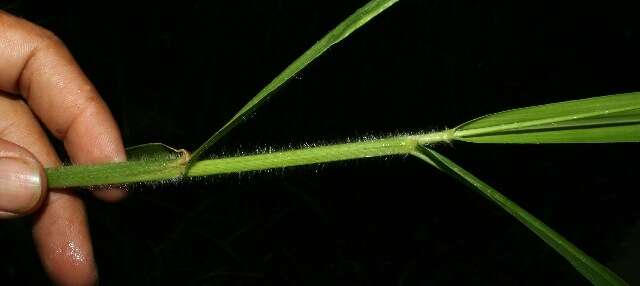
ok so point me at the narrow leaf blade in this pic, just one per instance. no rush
(340, 32)
(595, 272)
(604, 119)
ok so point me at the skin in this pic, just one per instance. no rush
(41, 82)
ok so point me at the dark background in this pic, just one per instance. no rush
(175, 72)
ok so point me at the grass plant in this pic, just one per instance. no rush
(605, 119)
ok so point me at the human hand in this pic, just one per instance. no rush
(39, 80)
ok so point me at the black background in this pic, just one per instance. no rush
(175, 72)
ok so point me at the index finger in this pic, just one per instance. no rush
(37, 65)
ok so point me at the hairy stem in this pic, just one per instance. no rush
(163, 170)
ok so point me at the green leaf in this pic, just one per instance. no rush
(605, 119)
(595, 272)
(344, 29)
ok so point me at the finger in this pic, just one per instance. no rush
(62, 238)
(22, 181)
(60, 231)
(37, 65)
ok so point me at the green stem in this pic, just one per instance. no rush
(165, 170)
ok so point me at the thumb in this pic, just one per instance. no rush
(23, 182)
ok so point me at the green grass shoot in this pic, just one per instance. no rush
(613, 118)
(605, 119)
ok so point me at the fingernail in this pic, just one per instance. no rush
(20, 186)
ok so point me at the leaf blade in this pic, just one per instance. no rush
(595, 272)
(604, 119)
(340, 32)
